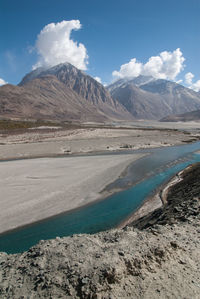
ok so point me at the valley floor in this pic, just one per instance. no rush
(47, 141)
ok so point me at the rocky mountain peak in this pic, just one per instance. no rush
(60, 71)
(41, 92)
(137, 81)
(75, 79)
(140, 80)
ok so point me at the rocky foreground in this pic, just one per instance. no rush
(156, 257)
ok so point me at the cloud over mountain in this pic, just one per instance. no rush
(167, 65)
(54, 45)
(2, 82)
(98, 79)
(189, 81)
(188, 78)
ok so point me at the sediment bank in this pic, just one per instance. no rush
(35, 189)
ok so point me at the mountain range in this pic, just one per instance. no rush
(65, 93)
(149, 98)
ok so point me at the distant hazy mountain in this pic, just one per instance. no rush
(189, 116)
(63, 93)
(149, 98)
(138, 81)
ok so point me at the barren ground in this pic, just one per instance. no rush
(52, 141)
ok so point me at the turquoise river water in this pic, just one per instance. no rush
(145, 175)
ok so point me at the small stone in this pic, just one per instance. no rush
(85, 280)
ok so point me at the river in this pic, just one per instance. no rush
(144, 175)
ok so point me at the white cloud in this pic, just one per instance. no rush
(196, 86)
(188, 78)
(130, 69)
(98, 79)
(167, 65)
(54, 45)
(2, 82)
(189, 81)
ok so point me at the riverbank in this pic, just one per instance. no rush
(149, 205)
(157, 201)
(35, 189)
(183, 186)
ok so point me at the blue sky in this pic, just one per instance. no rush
(113, 33)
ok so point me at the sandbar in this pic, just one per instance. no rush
(35, 189)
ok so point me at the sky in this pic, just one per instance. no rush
(107, 39)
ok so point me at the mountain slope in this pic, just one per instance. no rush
(189, 116)
(139, 103)
(60, 93)
(84, 86)
(138, 81)
(148, 98)
(45, 98)
(181, 99)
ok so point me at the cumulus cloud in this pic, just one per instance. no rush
(167, 65)
(54, 45)
(98, 79)
(189, 81)
(130, 69)
(2, 82)
(188, 78)
(196, 86)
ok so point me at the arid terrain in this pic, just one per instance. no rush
(57, 140)
(99, 149)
